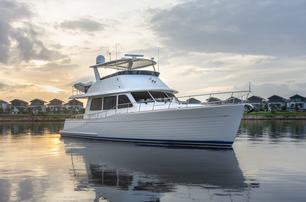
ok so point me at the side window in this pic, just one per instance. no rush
(109, 102)
(142, 96)
(96, 104)
(124, 102)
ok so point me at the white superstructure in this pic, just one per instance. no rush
(134, 105)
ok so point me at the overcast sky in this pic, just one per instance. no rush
(205, 46)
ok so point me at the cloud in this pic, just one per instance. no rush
(51, 89)
(265, 27)
(30, 47)
(13, 87)
(19, 38)
(11, 10)
(3, 86)
(82, 24)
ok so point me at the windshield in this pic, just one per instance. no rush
(142, 96)
(159, 96)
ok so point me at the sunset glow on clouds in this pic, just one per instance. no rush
(46, 46)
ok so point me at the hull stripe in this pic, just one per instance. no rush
(153, 141)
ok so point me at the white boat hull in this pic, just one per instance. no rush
(214, 126)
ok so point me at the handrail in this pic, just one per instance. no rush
(217, 93)
(134, 105)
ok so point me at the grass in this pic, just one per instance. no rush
(285, 113)
(35, 117)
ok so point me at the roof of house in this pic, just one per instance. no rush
(193, 101)
(74, 102)
(37, 100)
(18, 101)
(276, 98)
(55, 102)
(297, 96)
(233, 99)
(213, 99)
(255, 98)
(3, 101)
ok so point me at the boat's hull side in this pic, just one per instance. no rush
(214, 126)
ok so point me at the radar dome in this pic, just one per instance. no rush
(100, 59)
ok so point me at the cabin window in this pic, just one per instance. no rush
(159, 96)
(142, 96)
(96, 104)
(109, 102)
(124, 102)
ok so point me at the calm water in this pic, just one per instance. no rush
(268, 163)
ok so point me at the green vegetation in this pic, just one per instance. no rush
(280, 113)
(35, 117)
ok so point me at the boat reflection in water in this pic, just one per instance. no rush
(126, 172)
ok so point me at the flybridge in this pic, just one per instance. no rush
(129, 62)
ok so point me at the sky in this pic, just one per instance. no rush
(204, 45)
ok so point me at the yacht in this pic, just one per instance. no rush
(135, 105)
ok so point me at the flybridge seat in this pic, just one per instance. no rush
(127, 64)
(132, 72)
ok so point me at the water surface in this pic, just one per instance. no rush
(267, 163)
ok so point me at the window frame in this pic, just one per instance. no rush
(129, 105)
(113, 107)
(145, 101)
(163, 99)
(91, 102)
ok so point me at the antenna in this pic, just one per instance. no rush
(250, 86)
(158, 59)
(110, 56)
(116, 44)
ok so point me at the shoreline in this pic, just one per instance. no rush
(62, 117)
(276, 117)
(33, 118)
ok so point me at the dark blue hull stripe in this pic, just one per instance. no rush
(155, 141)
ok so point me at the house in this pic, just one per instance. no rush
(234, 100)
(18, 105)
(257, 102)
(37, 105)
(55, 105)
(214, 100)
(297, 102)
(4, 106)
(74, 105)
(193, 101)
(277, 103)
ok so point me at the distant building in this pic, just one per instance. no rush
(297, 102)
(257, 102)
(37, 105)
(74, 105)
(233, 99)
(55, 105)
(4, 106)
(214, 100)
(277, 103)
(193, 101)
(18, 105)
